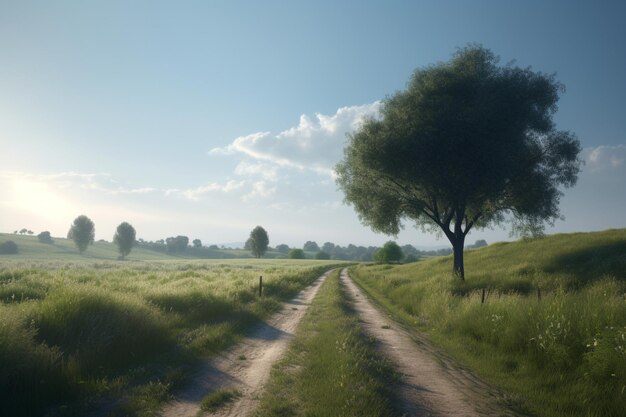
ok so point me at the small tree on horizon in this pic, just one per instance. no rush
(390, 252)
(124, 238)
(82, 232)
(177, 244)
(197, 243)
(44, 237)
(311, 246)
(296, 253)
(259, 241)
(282, 248)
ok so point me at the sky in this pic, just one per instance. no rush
(207, 118)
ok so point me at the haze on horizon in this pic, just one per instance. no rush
(208, 119)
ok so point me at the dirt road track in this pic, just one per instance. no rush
(432, 385)
(246, 366)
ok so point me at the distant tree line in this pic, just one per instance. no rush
(82, 232)
(329, 250)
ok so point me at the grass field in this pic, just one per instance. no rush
(31, 249)
(76, 335)
(331, 368)
(551, 330)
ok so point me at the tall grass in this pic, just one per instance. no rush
(331, 368)
(552, 328)
(73, 333)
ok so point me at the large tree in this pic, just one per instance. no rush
(82, 232)
(124, 238)
(259, 241)
(469, 143)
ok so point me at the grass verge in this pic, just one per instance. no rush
(331, 367)
(219, 398)
(74, 337)
(551, 330)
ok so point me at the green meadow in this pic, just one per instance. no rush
(545, 318)
(30, 249)
(87, 332)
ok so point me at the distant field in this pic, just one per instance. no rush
(551, 330)
(77, 330)
(64, 250)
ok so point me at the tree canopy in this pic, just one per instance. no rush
(296, 253)
(311, 246)
(259, 241)
(390, 252)
(468, 144)
(177, 244)
(124, 238)
(82, 232)
(282, 248)
(44, 237)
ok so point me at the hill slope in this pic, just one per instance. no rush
(64, 250)
(550, 325)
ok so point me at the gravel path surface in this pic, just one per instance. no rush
(246, 366)
(432, 384)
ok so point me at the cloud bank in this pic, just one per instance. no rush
(315, 143)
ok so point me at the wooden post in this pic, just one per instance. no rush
(482, 298)
(260, 286)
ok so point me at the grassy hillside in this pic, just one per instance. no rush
(72, 333)
(551, 330)
(64, 250)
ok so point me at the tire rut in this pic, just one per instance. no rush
(246, 366)
(431, 383)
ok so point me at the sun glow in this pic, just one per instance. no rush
(36, 197)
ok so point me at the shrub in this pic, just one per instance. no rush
(296, 254)
(8, 248)
(44, 237)
(390, 252)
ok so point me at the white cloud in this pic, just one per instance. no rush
(86, 181)
(196, 193)
(605, 157)
(260, 190)
(268, 172)
(315, 143)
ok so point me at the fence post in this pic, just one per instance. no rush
(260, 286)
(482, 298)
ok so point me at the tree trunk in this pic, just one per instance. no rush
(458, 269)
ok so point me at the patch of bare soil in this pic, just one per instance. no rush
(246, 366)
(431, 383)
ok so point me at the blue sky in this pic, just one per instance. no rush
(208, 118)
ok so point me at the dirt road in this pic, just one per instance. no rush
(432, 384)
(246, 366)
